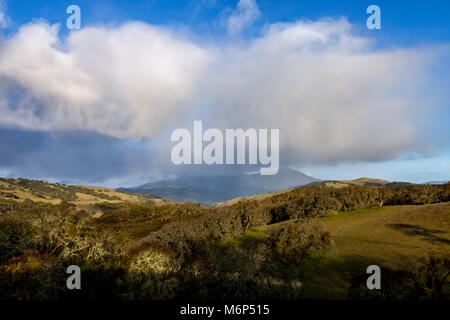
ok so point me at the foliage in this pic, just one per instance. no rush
(427, 279)
(294, 241)
(145, 251)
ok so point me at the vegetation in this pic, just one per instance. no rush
(249, 250)
(41, 191)
(396, 238)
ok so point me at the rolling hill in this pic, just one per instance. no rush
(53, 193)
(307, 242)
(392, 237)
(327, 183)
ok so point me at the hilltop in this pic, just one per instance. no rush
(355, 182)
(370, 182)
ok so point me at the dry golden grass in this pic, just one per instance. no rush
(364, 181)
(84, 200)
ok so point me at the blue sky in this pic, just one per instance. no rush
(100, 135)
(403, 21)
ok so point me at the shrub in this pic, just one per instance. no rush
(426, 279)
(30, 276)
(150, 269)
(294, 241)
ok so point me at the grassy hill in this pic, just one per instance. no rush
(53, 193)
(391, 237)
(308, 242)
(356, 182)
(327, 183)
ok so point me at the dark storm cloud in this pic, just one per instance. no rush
(90, 158)
(70, 156)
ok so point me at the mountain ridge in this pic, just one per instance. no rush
(213, 189)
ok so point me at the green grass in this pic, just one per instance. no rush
(391, 237)
(353, 212)
(251, 235)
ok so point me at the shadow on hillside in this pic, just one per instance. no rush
(331, 277)
(426, 234)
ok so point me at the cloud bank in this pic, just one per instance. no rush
(332, 94)
(126, 82)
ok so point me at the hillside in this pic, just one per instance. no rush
(258, 196)
(213, 189)
(53, 193)
(326, 183)
(391, 237)
(308, 242)
(356, 182)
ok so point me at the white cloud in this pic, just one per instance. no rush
(332, 95)
(126, 82)
(246, 13)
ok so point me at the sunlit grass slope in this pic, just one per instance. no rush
(390, 237)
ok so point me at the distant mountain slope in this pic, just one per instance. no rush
(212, 189)
(41, 191)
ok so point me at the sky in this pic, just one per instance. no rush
(96, 106)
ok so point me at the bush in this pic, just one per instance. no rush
(29, 277)
(294, 241)
(426, 279)
(150, 269)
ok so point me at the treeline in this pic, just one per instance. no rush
(319, 201)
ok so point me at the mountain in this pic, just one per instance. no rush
(212, 189)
